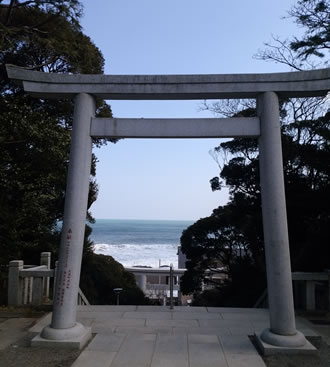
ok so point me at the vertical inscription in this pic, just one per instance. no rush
(64, 276)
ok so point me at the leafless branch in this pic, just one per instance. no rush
(227, 107)
(281, 53)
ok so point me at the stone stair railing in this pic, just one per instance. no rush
(30, 284)
(311, 291)
(82, 300)
(310, 283)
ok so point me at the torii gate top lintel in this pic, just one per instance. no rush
(167, 87)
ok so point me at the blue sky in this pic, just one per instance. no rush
(169, 179)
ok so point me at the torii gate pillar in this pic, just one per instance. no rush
(282, 331)
(64, 327)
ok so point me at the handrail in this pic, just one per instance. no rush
(161, 287)
(47, 273)
(30, 284)
(300, 275)
(310, 279)
(82, 299)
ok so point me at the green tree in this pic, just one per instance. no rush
(35, 138)
(313, 16)
(35, 133)
(101, 274)
(312, 48)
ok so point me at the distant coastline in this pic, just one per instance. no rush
(149, 220)
(139, 241)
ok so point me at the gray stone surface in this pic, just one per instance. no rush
(203, 339)
(77, 342)
(186, 309)
(244, 360)
(269, 349)
(112, 323)
(103, 329)
(15, 283)
(148, 315)
(93, 358)
(171, 351)
(8, 337)
(153, 87)
(237, 344)
(174, 128)
(72, 237)
(224, 323)
(42, 322)
(100, 315)
(243, 330)
(63, 326)
(144, 330)
(245, 317)
(196, 316)
(172, 323)
(202, 330)
(225, 344)
(106, 342)
(21, 322)
(110, 308)
(237, 310)
(153, 309)
(205, 350)
(137, 350)
(277, 253)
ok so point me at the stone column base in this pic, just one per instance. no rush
(73, 338)
(270, 343)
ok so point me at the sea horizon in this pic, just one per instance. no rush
(147, 219)
(132, 242)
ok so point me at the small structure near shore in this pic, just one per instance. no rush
(155, 283)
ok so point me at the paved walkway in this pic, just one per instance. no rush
(155, 336)
(13, 329)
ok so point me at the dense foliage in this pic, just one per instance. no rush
(101, 274)
(35, 133)
(311, 49)
(230, 241)
(313, 16)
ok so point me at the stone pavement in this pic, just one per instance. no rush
(13, 329)
(155, 336)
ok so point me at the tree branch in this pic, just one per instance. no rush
(9, 12)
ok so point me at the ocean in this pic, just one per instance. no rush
(139, 242)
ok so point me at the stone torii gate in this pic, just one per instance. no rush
(265, 88)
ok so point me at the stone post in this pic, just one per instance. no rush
(37, 291)
(328, 271)
(310, 295)
(141, 280)
(64, 325)
(29, 290)
(171, 287)
(54, 280)
(282, 332)
(15, 283)
(45, 260)
(26, 283)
